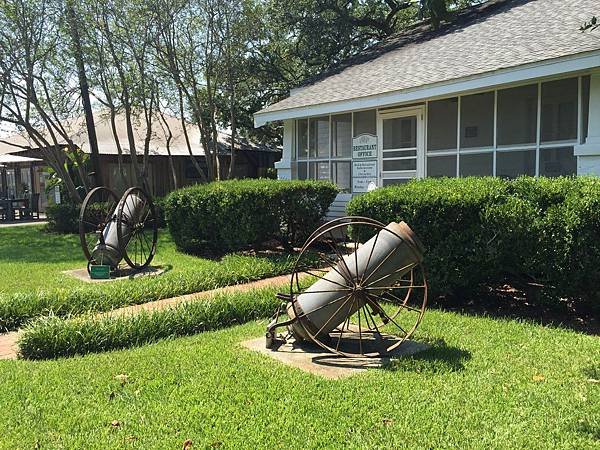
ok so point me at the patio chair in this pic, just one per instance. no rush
(32, 209)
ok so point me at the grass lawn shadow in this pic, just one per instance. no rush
(439, 358)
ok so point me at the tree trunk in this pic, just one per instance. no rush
(85, 94)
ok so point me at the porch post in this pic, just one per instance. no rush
(588, 153)
(284, 167)
(3, 181)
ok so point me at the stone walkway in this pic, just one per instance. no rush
(8, 341)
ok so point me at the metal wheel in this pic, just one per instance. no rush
(380, 311)
(96, 212)
(137, 228)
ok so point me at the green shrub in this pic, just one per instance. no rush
(231, 215)
(63, 218)
(53, 337)
(483, 230)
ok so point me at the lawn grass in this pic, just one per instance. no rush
(485, 383)
(32, 283)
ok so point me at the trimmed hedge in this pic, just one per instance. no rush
(232, 215)
(484, 230)
(53, 337)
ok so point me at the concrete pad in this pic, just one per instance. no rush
(313, 359)
(124, 274)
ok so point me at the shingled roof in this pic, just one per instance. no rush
(498, 34)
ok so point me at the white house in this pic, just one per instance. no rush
(511, 87)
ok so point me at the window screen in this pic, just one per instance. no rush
(365, 122)
(559, 110)
(319, 137)
(341, 135)
(517, 115)
(480, 165)
(442, 119)
(477, 120)
(441, 166)
(514, 164)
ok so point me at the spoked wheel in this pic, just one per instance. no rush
(137, 228)
(97, 211)
(375, 299)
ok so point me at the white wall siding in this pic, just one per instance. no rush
(588, 153)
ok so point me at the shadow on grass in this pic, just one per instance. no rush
(439, 358)
(507, 302)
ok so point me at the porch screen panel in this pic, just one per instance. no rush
(511, 164)
(341, 174)
(302, 171)
(559, 110)
(477, 165)
(341, 136)
(302, 138)
(477, 120)
(319, 137)
(556, 162)
(365, 122)
(517, 115)
(442, 121)
(441, 166)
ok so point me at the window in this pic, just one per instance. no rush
(441, 166)
(477, 120)
(511, 164)
(442, 120)
(559, 110)
(479, 164)
(365, 122)
(556, 162)
(517, 115)
(341, 136)
(400, 133)
(324, 149)
(340, 174)
(318, 129)
(302, 171)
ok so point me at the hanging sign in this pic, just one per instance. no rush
(364, 174)
(364, 146)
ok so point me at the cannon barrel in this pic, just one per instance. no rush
(380, 262)
(107, 250)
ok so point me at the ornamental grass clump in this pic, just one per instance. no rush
(16, 309)
(54, 337)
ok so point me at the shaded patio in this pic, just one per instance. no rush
(19, 195)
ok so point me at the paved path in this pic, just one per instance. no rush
(21, 224)
(8, 341)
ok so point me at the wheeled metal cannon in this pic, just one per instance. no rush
(112, 230)
(368, 291)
